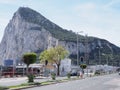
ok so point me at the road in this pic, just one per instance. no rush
(106, 82)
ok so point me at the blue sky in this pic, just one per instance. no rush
(99, 18)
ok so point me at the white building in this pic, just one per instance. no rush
(65, 66)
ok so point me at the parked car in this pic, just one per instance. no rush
(74, 74)
(119, 73)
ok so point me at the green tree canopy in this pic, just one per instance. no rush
(29, 58)
(54, 55)
(83, 66)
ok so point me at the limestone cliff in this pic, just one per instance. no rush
(29, 31)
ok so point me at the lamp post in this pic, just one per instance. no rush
(23, 68)
(105, 58)
(14, 67)
(86, 49)
(1, 71)
(112, 58)
(99, 54)
(78, 48)
(86, 52)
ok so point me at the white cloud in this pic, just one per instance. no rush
(7, 1)
(85, 9)
(110, 4)
(17, 2)
(100, 22)
(85, 6)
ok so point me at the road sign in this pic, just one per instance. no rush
(8, 62)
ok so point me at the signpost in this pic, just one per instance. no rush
(10, 63)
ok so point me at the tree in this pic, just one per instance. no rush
(29, 58)
(54, 55)
(83, 66)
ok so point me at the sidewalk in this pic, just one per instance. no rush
(21, 80)
(12, 81)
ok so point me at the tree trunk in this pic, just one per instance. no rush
(58, 69)
(27, 70)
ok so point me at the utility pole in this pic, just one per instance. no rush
(112, 58)
(99, 53)
(86, 50)
(99, 56)
(1, 70)
(78, 48)
(77, 51)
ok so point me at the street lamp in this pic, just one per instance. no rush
(99, 53)
(112, 58)
(78, 48)
(23, 68)
(14, 67)
(86, 49)
(1, 70)
(86, 52)
(106, 58)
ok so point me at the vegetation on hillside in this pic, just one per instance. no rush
(32, 16)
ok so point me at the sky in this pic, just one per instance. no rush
(98, 18)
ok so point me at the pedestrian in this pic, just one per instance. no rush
(81, 74)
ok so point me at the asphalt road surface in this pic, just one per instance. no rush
(106, 82)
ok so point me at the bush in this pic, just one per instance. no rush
(53, 76)
(83, 66)
(3, 88)
(97, 72)
(69, 75)
(30, 78)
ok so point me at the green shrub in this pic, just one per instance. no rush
(3, 88)
(97, 72)
(30, 78)
(53, 76)
(69, 75)
(83, 66)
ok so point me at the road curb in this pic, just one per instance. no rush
(54, 82)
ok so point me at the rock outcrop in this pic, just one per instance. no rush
(29, 31)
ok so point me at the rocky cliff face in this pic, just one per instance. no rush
(21, 36)
(29, 31)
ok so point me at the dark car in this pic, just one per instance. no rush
(119, 73)
(74, 74)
